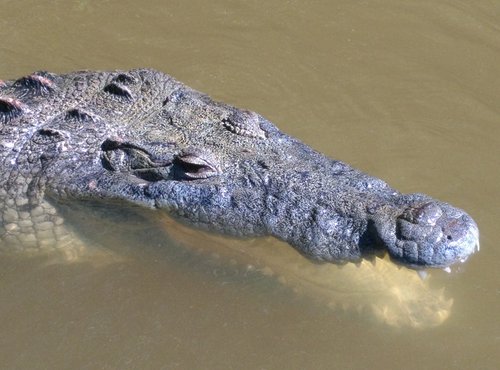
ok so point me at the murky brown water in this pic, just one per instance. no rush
(406, 90)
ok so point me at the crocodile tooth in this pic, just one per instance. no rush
(372, 259)
(422, 274)
(447, 269)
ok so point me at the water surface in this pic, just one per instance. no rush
(407, 91)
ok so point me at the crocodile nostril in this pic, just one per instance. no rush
(455, 229)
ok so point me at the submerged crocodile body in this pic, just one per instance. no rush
(142, 139)
(378, 290)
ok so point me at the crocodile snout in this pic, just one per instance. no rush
(434, 234)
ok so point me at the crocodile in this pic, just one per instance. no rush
(85, 150)
(126, 140)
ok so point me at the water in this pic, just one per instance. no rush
(404, 90)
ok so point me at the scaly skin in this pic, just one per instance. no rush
(143, 139)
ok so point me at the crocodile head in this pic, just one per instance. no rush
(144, 139)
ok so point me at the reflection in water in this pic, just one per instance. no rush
(395, 296)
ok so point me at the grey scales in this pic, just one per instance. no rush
(141, 139)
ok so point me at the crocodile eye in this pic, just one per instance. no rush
(196, 165)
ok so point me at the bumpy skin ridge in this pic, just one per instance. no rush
(142, 139)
